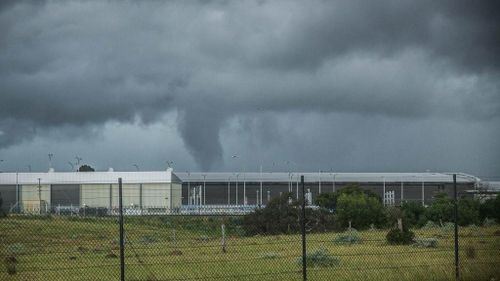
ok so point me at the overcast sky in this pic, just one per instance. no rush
(300, 85)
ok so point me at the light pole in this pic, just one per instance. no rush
(260, 185)
(229, 191)
(39, 196)
(236, 200)
(29, 168)
(319, 182)
(204, 189)
(1, 161)
(189, 187)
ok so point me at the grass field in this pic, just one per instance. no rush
(190, 249)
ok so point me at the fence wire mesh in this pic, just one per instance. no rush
(82, 243)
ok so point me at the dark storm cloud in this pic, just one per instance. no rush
(85, 63)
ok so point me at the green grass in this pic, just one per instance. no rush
(163, 248)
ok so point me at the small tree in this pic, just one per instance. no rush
(468, 211)
(441, 209)
(2, 213)
(490, 209)
(361, 209)
(329, 200)
(86, 168)
(413, 213)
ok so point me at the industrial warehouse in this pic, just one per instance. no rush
(79, 191)
(168, 192)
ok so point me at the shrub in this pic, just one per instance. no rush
(489, 222)
(361, 209)
(426, 242)
(348, 237)
(448, 227)
(468, 212)
(320, 258)
(329, 200)
(15, 249)
(2, 213)
(470, 252)
(413, 213)
(490, 209)
(396, 236)
(282, 216)
(441, 208)
(430, 225)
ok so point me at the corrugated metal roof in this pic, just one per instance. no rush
(326, 177)
(87, 177)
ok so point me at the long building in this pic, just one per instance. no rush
(257, 188)
(44, 192)
(167, 191)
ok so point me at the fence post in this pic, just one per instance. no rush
(455, 215)
(122, 243)
(303, 229)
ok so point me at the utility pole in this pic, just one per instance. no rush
(204, 190)
(319, 181)
(260, 185)
(39, 196)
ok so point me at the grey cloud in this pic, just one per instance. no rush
(85, 63)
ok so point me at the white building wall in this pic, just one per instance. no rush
(176, 195)
(30, 197)
(94, 195)
(130, 194)
(156, 195)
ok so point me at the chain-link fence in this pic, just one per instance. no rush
(285, 240)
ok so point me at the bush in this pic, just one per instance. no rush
(397, 237)
(361, 209)
(2, 213)
(489, 222)
(470, 252)
(320, 258)
(448, 227)
(329, 200)
(413, 213)
(348, 237)
(468, 212)
(430, 225)
(426, 242)
(282, 216)
(490, 209)
(441, 209)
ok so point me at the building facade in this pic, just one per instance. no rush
(55, 191)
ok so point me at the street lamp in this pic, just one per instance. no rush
(1, 161)
(204, 189)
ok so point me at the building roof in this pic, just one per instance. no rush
(327, 177)
(110, 177)
(168, 176)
